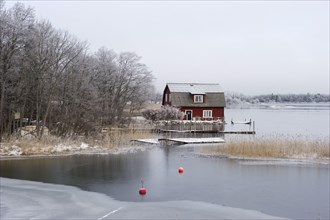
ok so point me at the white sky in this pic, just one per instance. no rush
(252, 47)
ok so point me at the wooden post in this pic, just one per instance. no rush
(254, 127)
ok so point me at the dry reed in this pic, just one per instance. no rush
(275, 147)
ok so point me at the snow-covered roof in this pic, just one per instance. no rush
(195, 88)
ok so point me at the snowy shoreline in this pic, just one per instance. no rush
(15, 153)
(133, 149)
(22, 199)
(268, 160)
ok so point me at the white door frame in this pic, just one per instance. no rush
(191, 115)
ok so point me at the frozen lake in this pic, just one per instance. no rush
(285, 189)
(21, 199)
(291, 190)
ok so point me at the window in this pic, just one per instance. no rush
(167, 97)
(207, 113)
(198, 98)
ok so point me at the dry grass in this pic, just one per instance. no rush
(31, 145)
(55, 145)
(120, 138)
(275, 147)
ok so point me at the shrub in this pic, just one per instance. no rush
(165, 113)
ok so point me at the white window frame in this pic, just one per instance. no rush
(207, 114)
(198, 98)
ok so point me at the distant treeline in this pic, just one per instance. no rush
(236, 98)
(49, 79)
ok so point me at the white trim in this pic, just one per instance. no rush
(198, 101)
(185, 112)
(207, 113)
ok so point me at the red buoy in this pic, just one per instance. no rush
(180, 170)
(142, 191)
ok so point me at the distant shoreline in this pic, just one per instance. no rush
(269, 105)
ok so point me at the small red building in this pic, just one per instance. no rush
(196, 100)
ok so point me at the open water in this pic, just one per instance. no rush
(308, 120)
(287, 189)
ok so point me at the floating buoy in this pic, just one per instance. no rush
(142, 190)
(180, 170)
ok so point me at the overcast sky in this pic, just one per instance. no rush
(251, 47)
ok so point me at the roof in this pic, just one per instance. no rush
(195, 88)
(181, 94)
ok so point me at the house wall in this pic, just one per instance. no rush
(198, 111)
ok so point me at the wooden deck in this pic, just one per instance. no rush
(206, 131)
(238, 132)
(181, 140)
(147, 141)
(192, 140)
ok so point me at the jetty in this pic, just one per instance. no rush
(193, 128)
(192, 140)
(147, 141)
(211, 140)
(237, 132)
(206, 131)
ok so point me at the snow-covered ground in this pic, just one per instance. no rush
(8, 151)
(21, 199)
(270, 160)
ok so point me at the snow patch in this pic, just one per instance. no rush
(15, 151)
(305, 156)
(61, 148)
(12, 150)
(84, 146)
(125, 150)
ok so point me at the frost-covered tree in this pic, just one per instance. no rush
(49, 78)
(122, 82)
(16, 31)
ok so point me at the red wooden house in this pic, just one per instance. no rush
(196, 100)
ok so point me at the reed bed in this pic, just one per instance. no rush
(285, 147)
(121, 138)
